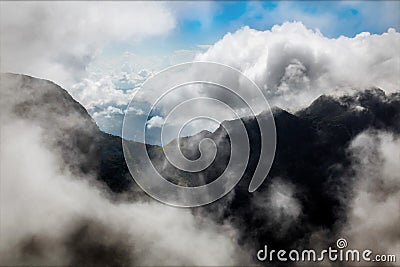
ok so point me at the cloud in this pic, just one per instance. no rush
(52, 215)
(43, 208)
(58, 40)
(99, 94)
(104, 99)
(114, 83)
(374, 201)
(293, 65)
(155, 121)
(108, 112)
(279, 204)
(39, 39)
(134, 110)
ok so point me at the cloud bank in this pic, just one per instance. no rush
(294, 65)
(52, 214)
(58, 40)
(374, 200)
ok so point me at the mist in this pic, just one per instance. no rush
(374, 205)
(54, 214)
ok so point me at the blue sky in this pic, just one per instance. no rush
(206, 22)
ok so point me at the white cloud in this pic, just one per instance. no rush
(204, 46)
(45, 205)
(100, 93)
(136, 111)
(291, 64)
(294, 65)
(279, 204)
(108, 112)
(51, 214)
(112, 82)
(374, 205)
(57, 40)
(155, 121)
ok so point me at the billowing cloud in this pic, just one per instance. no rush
(155, 121)
(100, 93)
(374, 205)
(293, 65)
(279, 204)
(105, 100)
(43, 208)
(58, 40)
(114, 83)
(52, 214)
(108, 112)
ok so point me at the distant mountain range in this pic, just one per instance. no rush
(311, 154)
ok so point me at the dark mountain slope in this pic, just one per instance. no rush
(66, 124)
(67, 128)
(311, 155)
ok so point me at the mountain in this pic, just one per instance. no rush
(68, 128)
(311, 156)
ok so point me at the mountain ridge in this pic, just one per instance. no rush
(311, 154)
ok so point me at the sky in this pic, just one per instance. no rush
(102, 52)
(204, 23)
